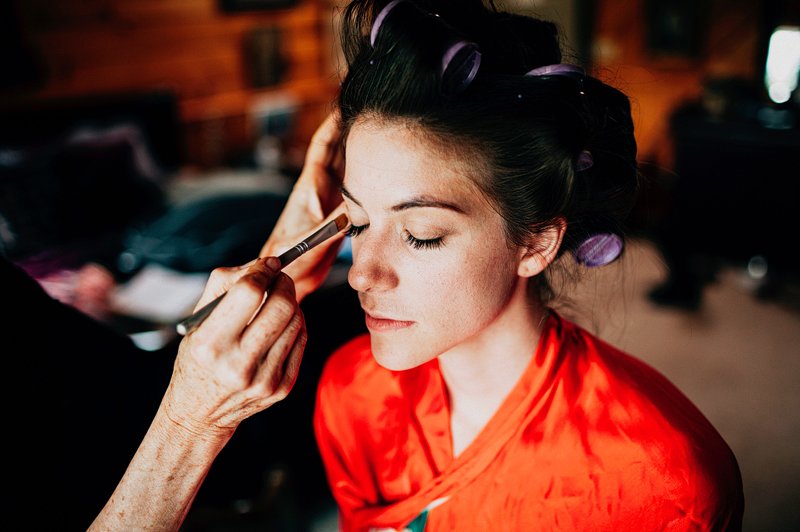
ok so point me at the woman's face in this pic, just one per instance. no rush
(431, 263)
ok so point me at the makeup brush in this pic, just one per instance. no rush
(287, 257)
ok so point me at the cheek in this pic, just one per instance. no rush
(451, 300)
(470, 291)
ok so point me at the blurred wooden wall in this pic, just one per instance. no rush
(190, 47)
(730, 46)
(199, 52)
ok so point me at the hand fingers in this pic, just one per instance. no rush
(336, 164)
(286, 244)
(243, 299)
(325, 142)
(340, 209)
(316, 191)
(220, 280)
(279, 371)
(312, 211)
(291, 363)
(303, 209)
(271, 320)
(320, 254)
(270, 370)
(324, 169)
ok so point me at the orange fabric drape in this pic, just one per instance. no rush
(589, 438)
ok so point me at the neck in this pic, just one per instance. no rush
(480, 372)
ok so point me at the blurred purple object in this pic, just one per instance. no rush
(561, 69)
(585, 161)
(599, 250)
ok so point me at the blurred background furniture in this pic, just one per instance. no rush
(734, 196)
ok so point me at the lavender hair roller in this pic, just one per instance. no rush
(599, 250)
(561, 69)
(460, 61)
(460, 64)
(584, 162)
(376, 26)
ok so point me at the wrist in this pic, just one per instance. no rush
(185, 430)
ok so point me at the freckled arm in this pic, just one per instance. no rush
(162, 480)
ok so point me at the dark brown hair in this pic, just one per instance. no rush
(528, 130)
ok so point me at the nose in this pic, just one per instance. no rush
(371, 270)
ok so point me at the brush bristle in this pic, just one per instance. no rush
(341, 222)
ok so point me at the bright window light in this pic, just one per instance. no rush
(783, 63)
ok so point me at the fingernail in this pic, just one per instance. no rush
(273, 263)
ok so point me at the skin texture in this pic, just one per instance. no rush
(462, 299)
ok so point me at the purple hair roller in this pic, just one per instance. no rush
(561, 69)
(460, 64)
(599, 250)
(584, 162)
(376, 26)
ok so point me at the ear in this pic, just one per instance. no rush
(542, 249)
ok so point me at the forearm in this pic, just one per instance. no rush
(162, 479)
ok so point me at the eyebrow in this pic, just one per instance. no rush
(416, 201)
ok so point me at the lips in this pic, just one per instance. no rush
(378, 323)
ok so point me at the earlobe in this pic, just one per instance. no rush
(542, 249)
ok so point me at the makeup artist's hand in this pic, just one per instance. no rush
(232, 367)
(243, 358)
(315, 199)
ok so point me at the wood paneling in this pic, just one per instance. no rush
(189, 46)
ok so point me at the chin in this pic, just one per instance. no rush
(396, 355)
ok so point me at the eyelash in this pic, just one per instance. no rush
(355, 230)
(417, 243)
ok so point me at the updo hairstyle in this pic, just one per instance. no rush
(528, 136)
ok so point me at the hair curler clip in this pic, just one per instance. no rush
(460, 64)
(560, 69)
(584, 162)
(599, 249)
(382, 14)
(461, 59)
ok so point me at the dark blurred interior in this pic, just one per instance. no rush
(168, 132)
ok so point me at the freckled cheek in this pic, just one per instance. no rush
(487, 282)
(425, 289)
(458, 294)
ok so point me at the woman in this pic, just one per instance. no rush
(475, 160)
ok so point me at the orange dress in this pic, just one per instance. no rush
(588, 439)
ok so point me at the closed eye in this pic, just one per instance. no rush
(418, 243)
(355, 230)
